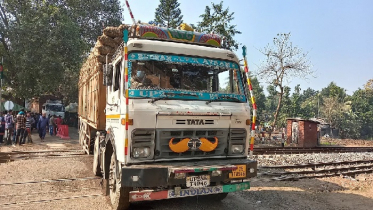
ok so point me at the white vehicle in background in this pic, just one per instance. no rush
(54, 107)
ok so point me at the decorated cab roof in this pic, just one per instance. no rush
(154, 32)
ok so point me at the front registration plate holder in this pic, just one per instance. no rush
(240, 172)
(198, 181)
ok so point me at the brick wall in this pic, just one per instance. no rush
(288, 131)
(307, 136)
(301, 134)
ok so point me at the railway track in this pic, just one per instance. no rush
(23, 203)
(28, 197)
(25, 155)
(316, 170)
(302, 150)
(49, 181)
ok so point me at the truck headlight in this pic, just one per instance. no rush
(237, 149)
(141, 152)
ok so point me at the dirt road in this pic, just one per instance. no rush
(36, 184)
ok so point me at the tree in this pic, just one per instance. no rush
(218, 21)
(286, 103)
(310, 100)
(333, 90)
(259, 95)
(362, 106)
(369, 85)
(45, 42)
(332, 111)
(283, 62)
(168, 13)
(94, 15)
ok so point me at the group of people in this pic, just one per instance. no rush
(18, 127)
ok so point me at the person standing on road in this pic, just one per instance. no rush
(20, 126)
(42, 126)
(29, 122)
(58, 122)
(52, 125)
(36, 119)
(9, 126)
(2, 127)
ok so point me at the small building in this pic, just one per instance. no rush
(302, 133)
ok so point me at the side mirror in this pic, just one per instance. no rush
(108, 74)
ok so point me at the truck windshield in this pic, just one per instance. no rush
(54, 108)
(182, 76)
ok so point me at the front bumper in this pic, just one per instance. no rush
(166, 175)
(149, 195)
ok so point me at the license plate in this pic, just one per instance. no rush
(198, 181)
(240, 172)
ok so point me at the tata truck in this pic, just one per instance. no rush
(187, 114)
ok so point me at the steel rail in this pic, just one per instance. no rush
(49, 181)
(14, 204)
(31, 193)
(316, 164)
(328, 170)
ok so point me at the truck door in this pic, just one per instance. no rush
(115, 90)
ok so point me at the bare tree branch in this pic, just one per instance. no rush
(283, 62)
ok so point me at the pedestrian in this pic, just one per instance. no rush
(36, 119)
(29, 122)
(20, 126)
(52, 125)
(42, 126)
(2, 127)
(9, 126)
(58, 121)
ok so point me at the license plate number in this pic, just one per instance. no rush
(198, 181)
(240, 172)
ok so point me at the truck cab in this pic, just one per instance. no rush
(53, 107)
(188, 126)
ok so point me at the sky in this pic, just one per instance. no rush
(337, 34)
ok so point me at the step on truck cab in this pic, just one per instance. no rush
(188, 126)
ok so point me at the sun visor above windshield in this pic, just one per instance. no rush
(182, 59)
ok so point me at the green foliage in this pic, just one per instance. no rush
(332, 90)
(362, 106)
(168, 13)
(94, 15)
(45, 42)
(259, 95)
(351, 115)
(218, 20)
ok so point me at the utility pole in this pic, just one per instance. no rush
(318, 105)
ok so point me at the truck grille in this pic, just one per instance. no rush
(164, 136)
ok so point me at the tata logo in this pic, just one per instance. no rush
(195, 122)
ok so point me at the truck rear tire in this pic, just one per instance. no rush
(119, 196)
(96, 158)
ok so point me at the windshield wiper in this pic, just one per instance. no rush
(173, 94)
(182, 94)
(224, 97)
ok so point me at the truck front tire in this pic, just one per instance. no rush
(119, 196)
